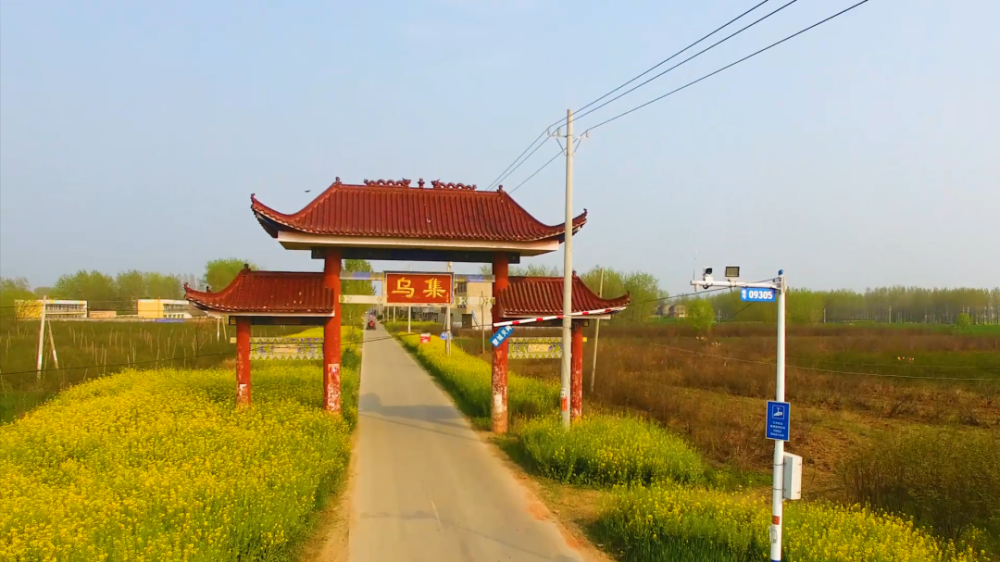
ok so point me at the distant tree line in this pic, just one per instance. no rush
(121, 291)
(643, 288)
(881, 304)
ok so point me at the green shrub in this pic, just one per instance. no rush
(608, 450)
(469, 381)
(670, 523)
(948, 481)
(963, 320)
(701, 315)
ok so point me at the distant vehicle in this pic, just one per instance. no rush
(371, 322)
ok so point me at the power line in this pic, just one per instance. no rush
(535, 173)
(893, 365)
(678, 53)
(496, 181)
(728, 66)
(129, 364)
(118, 364)
(513, 166)
(522, 162)
(694, 294)
(694, 56)
(682, 295)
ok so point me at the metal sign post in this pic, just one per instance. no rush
(778, 411)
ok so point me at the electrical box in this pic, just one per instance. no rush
(792, 489)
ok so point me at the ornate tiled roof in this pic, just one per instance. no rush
(543, 296)
(264, 292)
(393, 209)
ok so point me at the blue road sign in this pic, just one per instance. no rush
(748, 294)
(501, 335)
(777, 420)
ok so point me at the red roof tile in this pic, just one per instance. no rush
(395, 210)
(543, 296)
(268, 292)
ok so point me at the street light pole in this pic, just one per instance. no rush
(778, 481)
(779, 288)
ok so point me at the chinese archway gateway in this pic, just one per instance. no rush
(531, 300)
(387, 220)
(271, 297)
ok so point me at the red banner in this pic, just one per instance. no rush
(418, 288)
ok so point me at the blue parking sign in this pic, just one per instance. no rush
(777, 420)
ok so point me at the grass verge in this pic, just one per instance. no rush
(468, 380)
(605, 450)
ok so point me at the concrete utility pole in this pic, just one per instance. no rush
(451, 289)
(52, 346)
(567, 321)
(597, 334)
(41, 339)
(567, 278)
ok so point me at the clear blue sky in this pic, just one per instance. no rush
(862, 153)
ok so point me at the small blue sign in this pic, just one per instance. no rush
(445, 336)
(777, 420)
(501, 335)
(749, 294)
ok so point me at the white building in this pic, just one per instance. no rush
(473, 304)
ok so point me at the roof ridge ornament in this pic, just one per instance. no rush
(388, 183)
(438, 184)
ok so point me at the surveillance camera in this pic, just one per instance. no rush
(708, 271)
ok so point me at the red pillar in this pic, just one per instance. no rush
(331, 334)
(498, 406)
(576, 373)
(242, 361)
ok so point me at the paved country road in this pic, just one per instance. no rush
(426, 488)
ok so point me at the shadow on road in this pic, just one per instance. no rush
(370, 403)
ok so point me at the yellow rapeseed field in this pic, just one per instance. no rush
(161, 465)
(694, 524)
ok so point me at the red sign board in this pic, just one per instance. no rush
(425, 338)
(418, 288)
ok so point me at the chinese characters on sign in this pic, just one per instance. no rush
(418, 288)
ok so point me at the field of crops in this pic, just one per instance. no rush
(675, 524)
(161, 465)
(91, 349)
(691, 510)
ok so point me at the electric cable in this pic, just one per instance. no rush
(516, 164)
